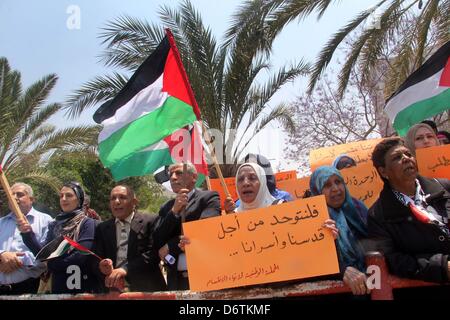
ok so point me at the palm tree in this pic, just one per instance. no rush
(408, 30)
(223, 78)
(25, 137)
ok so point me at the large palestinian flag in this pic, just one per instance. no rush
(425, 93)
(144, 122)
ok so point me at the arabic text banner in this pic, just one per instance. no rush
(360, 151)
(434, 162)
(277, 243)
(363, 183)
(231, 184)
(295, 187)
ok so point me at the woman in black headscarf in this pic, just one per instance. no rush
(70, 271)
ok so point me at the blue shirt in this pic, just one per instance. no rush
(282, 195)
(277, 194)
(11, 241)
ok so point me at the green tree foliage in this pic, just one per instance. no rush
(225, 77)
(26, 139)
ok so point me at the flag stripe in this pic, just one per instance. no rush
(60, 250)
(146, 131)
(433, 65)
(145, 75)
(445, 78)
(421, 110)
(420, 91)
(141, 163)
(147, 100)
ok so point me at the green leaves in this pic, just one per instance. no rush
(27, 140)
(223, 76)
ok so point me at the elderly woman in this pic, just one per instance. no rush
(348, 214)
(74, 224)
(409, 220)
(251, 187)
(419, 136)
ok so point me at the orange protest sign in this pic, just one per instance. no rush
(363, 183)
(285, 175)
(272, 244)
(231, 184)
(434, 162)
(360, 151)
(296, 187)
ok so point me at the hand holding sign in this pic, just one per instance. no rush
(275, 243)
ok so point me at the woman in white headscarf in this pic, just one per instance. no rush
(251, 186)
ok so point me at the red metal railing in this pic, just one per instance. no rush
(387, 283)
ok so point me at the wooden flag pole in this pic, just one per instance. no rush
(208, 183)
(14, 206)
(212, 153)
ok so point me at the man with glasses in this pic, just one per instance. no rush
(19, 270)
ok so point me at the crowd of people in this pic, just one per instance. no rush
(408, 224)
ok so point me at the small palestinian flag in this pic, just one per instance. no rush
(59, 246)
(140, 125)
(424, 94)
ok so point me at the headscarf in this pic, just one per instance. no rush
(66, 223)
(342, 160)
(264, 163)
(411, 136)
(348, 220)
(263, 198)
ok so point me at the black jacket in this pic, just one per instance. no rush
(201, 205)
(412, 249)
(143, 272)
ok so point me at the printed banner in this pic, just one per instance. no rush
(434, 162)
(276, 243)
(360, 151)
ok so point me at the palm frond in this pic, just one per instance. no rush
(423, 27)
(40, 175)
(281, 113)
(37, 120)
(26, 106)
(129, 41)
(98, 90)
(328, 50)
(443, 23)
(69, 137)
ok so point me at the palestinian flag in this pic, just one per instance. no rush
(142, 121)
(59, 246)
(184, 144)
(425, 93)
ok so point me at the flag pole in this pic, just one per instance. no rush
(212, 153)
(208, 183)
(196, 109)
(14, 206)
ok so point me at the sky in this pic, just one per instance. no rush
(42, 37)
